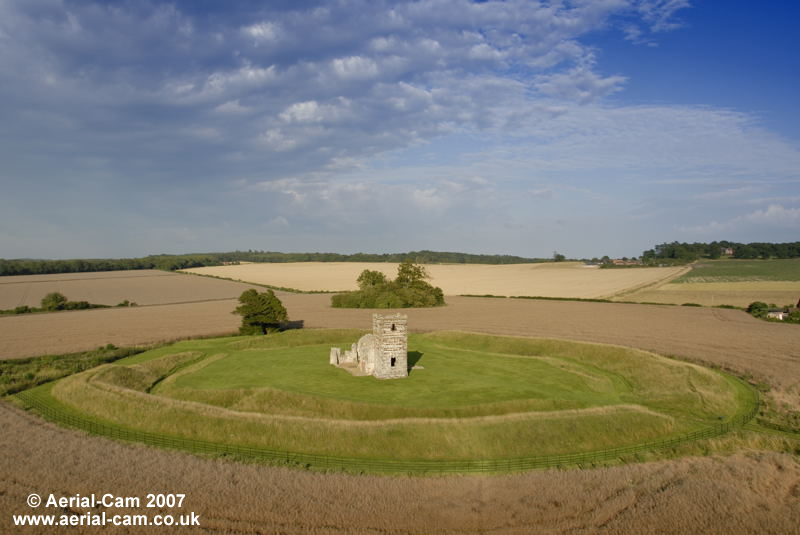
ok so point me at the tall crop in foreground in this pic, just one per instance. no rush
(261, 312)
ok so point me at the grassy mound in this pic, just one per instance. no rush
(470, 396)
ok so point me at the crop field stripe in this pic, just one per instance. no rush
(37, 400)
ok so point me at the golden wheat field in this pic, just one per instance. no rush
(738, 294)
(567, 279)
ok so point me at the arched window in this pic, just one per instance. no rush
(394, 329)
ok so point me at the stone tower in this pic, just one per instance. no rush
(382, 354)
(391, 340)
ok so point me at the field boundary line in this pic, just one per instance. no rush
(261, 284)
(40, 404)
(652, 285)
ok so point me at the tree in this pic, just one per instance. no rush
(261, 312)
(54, 301)
(371, 279)
(558, 257)
(409, 273)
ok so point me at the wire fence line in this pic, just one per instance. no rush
(422, 466)
(778, 427)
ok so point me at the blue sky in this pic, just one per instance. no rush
(519, 127)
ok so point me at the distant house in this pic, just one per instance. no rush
(727, 251)
(777, 313)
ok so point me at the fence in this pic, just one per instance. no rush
(422, 466)
(778, 427)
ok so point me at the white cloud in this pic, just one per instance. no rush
(774, 215)
(302, 112)
(263, 31)
(447, 113)
(355, 67)
(428, 197)
(660, 14)
(232, 107)
(580, 84)
(277, 140)
(656, 16)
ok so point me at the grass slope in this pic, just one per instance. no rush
(477, 397)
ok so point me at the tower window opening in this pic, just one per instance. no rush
(394, 361)
(393, 327)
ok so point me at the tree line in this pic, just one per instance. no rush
(682, 253)
(173, 262)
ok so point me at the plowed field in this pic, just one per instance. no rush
(144, 287)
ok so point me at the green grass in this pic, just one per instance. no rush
(731, 270)
(20, 374)
(478, 397)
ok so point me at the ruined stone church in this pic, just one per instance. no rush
(382, 354)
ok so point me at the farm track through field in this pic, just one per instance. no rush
(620, 296)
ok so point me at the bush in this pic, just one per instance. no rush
(54, 301)
(758, 309)
(77, 305)
(261, 312)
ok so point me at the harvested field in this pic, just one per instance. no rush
(738, 294)
(30, 335)
(144, 287)
(740, 494)
(567, 279)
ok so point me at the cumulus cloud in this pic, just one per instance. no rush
(346, 116)
(775, 214)
(410, 72)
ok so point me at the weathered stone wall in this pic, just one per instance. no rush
(368, 353)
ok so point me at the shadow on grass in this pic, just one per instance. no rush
(413, 358)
